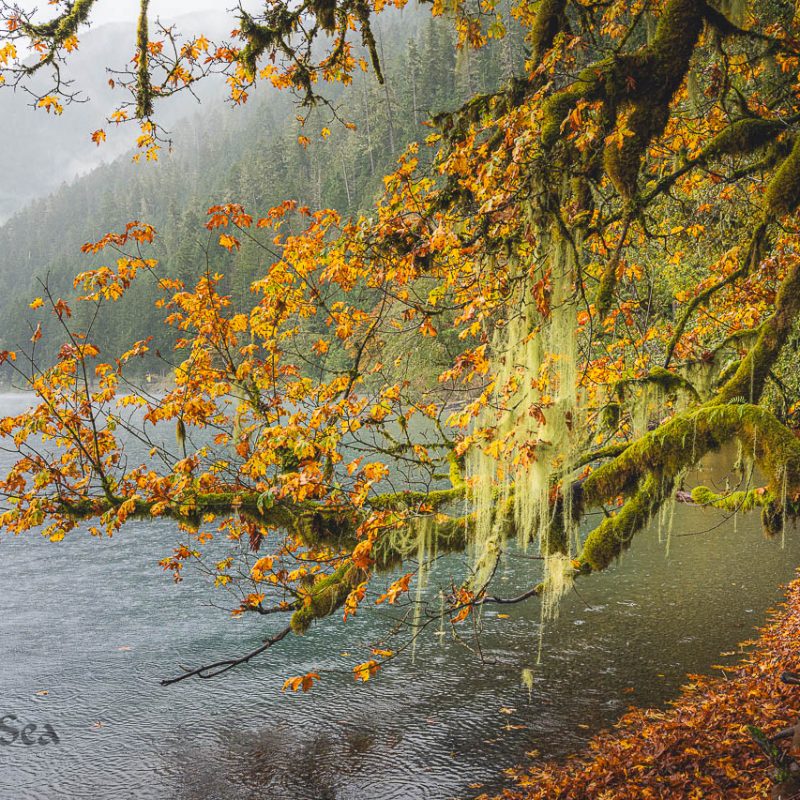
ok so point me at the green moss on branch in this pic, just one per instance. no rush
(59, 29)
(144, 88)
(743, 136)
(549, 20)
(751, 376)
(326, 596)
(783, 193)
(669, 383)
(685, 439)
(732, 501)
(615, 533)
(646, 82)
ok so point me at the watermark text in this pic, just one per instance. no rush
(15, 731)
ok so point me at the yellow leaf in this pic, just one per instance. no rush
(229, 242)
(50, 103)
(363, 672)
(301, 682)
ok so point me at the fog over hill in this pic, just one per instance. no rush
(38, 155)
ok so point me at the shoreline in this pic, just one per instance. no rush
(698, 747)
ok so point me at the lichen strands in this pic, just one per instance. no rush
(532, 415)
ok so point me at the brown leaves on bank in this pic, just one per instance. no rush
(698, 748)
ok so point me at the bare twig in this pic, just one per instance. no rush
(218, 667)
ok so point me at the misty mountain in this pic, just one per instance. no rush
(38, 155)
(249, 155)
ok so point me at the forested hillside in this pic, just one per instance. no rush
(253, 155)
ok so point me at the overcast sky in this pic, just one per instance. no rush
(126, 10)
(121, 10)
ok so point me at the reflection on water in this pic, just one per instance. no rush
(96, 624)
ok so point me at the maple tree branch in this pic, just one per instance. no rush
(281, 609)
(295, 515)
(741, 137)
(642, 471)
(645, 471)
(696, 302)
(728, 28)
(219, 667)
(144, 88)
(611, 450)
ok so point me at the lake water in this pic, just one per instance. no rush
(96, 624)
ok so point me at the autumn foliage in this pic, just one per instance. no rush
(574, 290)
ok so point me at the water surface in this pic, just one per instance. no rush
(96, 624)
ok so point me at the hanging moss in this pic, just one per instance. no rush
(656, 390)
(329, 527)
(449, 535)
(772, 518)
(456, 470)
(687, 437)
(559, 577)
(533, 415)
(668, 382)
(728, 371)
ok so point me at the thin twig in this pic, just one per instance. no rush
(218, 667)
